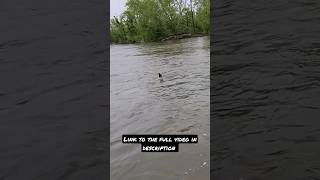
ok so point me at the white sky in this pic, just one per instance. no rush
(117, 7)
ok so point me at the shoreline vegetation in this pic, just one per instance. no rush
(160, 20)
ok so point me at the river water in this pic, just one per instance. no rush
(141, 104)
(265, 120)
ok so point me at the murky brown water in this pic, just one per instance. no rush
(141, 104)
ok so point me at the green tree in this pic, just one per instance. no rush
(153, 20)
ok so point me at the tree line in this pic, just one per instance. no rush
(154, 20)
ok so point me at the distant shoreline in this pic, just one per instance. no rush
(169, 38)
(182, 36)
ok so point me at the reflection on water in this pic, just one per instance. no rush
(142, 104)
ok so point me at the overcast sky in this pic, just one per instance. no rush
(117, 7)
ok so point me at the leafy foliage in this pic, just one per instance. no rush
(153, 20)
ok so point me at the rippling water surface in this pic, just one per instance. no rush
(141, 104)
(266, 78)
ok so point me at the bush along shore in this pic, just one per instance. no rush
(161, 20)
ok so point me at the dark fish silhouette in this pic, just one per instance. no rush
(160, 77)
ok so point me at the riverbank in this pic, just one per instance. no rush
(169, 38)
(183, 36)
